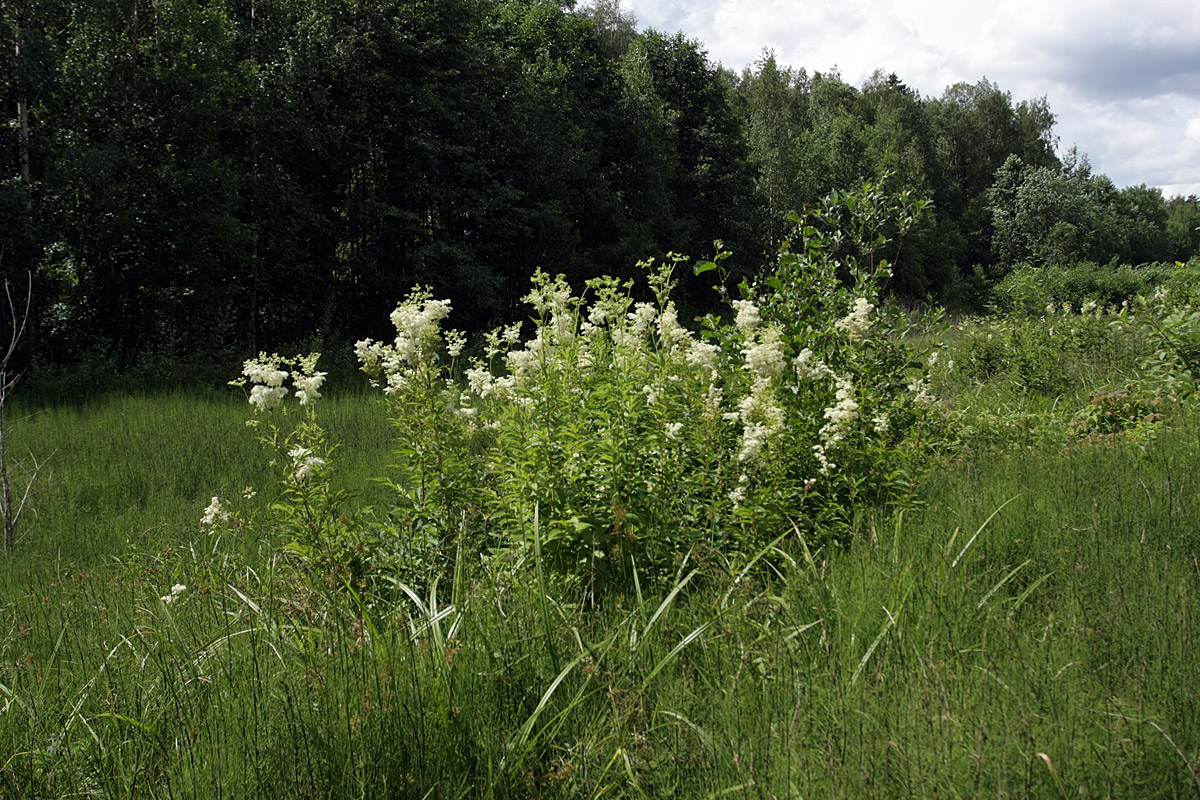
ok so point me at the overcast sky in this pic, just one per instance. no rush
(1123, 78)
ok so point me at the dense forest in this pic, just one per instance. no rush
(191, 180)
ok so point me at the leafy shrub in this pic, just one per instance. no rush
(1170, 317)
(613, 442)
(1029, 289)
(1117, 411)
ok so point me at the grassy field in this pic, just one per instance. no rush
(1027, 631)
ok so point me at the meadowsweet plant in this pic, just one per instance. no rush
(840, 424)
(637, 440)
(1170, 318)
(436, 476)
(309, 513)
(611, 424)
(610, 441)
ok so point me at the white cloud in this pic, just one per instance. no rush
(1123, 78)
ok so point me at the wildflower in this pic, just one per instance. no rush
(176, 592)
(265, 371)
(823, 459)
(712, 403)
(933, 358)
(754, 436)
(214, 514)
(267, 398)
(480, 380)
(669, 330)
(641, 318)
(703, 355)
(305, 462)
(841, 414)
(881, 423)
(921, 391)
(521, 363)
(747, 316)
(1088, 307)
(809, 366)
(858, 321)
(248, 493)
(455, 341)
(598, 314)
(307, 385)
(267, 377)
(764, 360)
(416, 321)
(673, 430)
(762, 420)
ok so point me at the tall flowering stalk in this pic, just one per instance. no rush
(434, 476)
(309, 512)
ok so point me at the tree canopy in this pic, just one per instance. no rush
(216, 177)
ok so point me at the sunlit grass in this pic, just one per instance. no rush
(1026, 633)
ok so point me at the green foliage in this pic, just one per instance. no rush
(613, 441)
(1028, 289)
(245, 683)
(290, 645)
(1183, 227)
(1169, 317)
(200, 181)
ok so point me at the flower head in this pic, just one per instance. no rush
(307, 385)
(214, 515)
(305, 462)
(858, 321)
(747, 316)
(176, 592)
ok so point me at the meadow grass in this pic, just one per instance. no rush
(1026, 632)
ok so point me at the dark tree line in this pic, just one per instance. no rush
(198, 179)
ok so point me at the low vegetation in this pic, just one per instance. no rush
(818, 547)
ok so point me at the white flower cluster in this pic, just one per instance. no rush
(552, 298)
(214, 515)
(921, 394)
(841, 414)
(484, 384)
(176, 592)
(307, 386)
(764, 359)
(267, 376)
(858, 321)
(703, 356)
(418, 335)
(304, 462)
(670, 332)
(267, 392)
(747, 316)
(809, 367)
(761, 415)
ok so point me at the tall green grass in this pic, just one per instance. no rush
(1027, 633)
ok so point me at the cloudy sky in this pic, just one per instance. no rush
(1122, 77)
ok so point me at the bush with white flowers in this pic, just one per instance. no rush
(613, 441)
